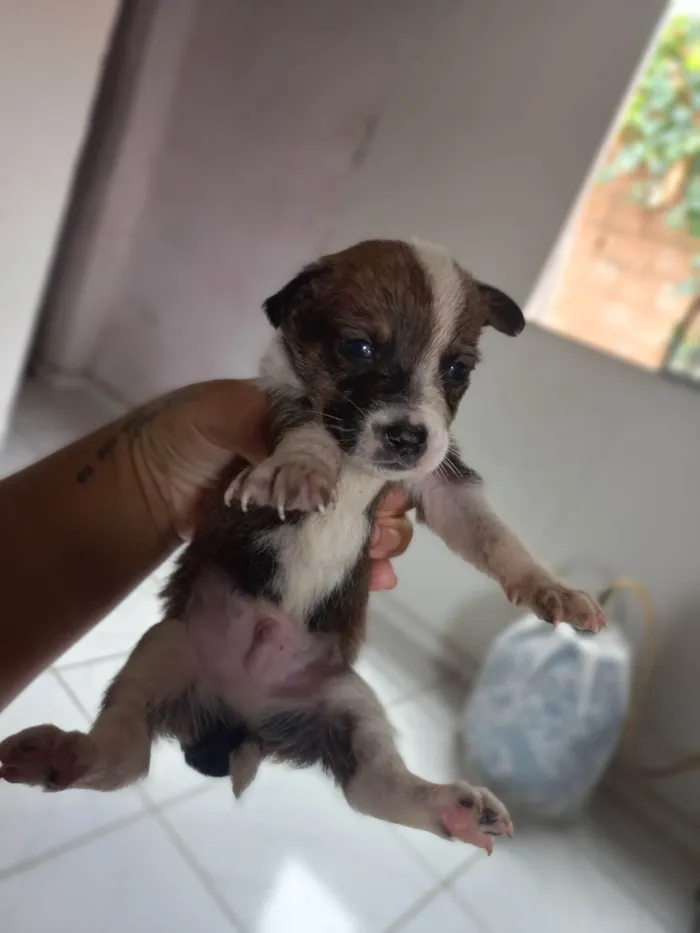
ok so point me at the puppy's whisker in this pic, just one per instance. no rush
(354, 404)
(449, 468)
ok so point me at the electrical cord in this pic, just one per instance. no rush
(640, 687)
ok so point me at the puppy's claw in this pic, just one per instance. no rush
(302, 484)
(555, 603)
(475, 816)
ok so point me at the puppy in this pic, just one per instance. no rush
(265, 614)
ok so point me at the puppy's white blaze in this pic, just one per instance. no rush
(447, 286)
(316, 555)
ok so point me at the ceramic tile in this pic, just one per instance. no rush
(32, 822)
(440, 915)
(132, 879)
(293, 856)
(169, 776)
(547, 875)
(120, 631)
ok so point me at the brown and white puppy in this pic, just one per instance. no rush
(264, 616)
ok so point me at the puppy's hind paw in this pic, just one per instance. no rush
(471, 814)
(46, 756)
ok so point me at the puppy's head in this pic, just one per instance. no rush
(382, 338)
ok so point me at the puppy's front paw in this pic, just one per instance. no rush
(46, 756)
(301, 484)
(555, 603)
(471, 814)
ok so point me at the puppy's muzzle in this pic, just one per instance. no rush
(403, 442)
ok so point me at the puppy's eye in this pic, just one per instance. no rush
(456, 371)
(359, 348)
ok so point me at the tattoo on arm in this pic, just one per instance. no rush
(131, 428)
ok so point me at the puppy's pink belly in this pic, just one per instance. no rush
(251, 648)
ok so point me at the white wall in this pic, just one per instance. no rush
(50, 59)
(87, 285)
(272, 111)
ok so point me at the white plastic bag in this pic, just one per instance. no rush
(547, 714)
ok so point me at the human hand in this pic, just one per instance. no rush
(183, 441)
(391, 535)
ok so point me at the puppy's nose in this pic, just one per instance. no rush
(406, 438)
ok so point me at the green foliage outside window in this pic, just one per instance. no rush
(658, 141)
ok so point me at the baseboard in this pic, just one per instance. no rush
(61, 379)
(641, 797)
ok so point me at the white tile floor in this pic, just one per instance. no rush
(179, 854)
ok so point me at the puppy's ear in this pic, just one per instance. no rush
(504, 314)
(278, 306)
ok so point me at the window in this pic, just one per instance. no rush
(626, 277)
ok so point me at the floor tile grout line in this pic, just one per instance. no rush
(203, 876)
(443, 883)
(72, 695)
(464, 903)
(425, 861)
(150, 807)
(431, 895)
(72, 665)
(473, 914)
(411, 912)
(75, 843)
(463, 869)
(439, 884)
(449, 882)
(150, 802)
(166, 803)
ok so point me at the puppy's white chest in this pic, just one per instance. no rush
(316, 555)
